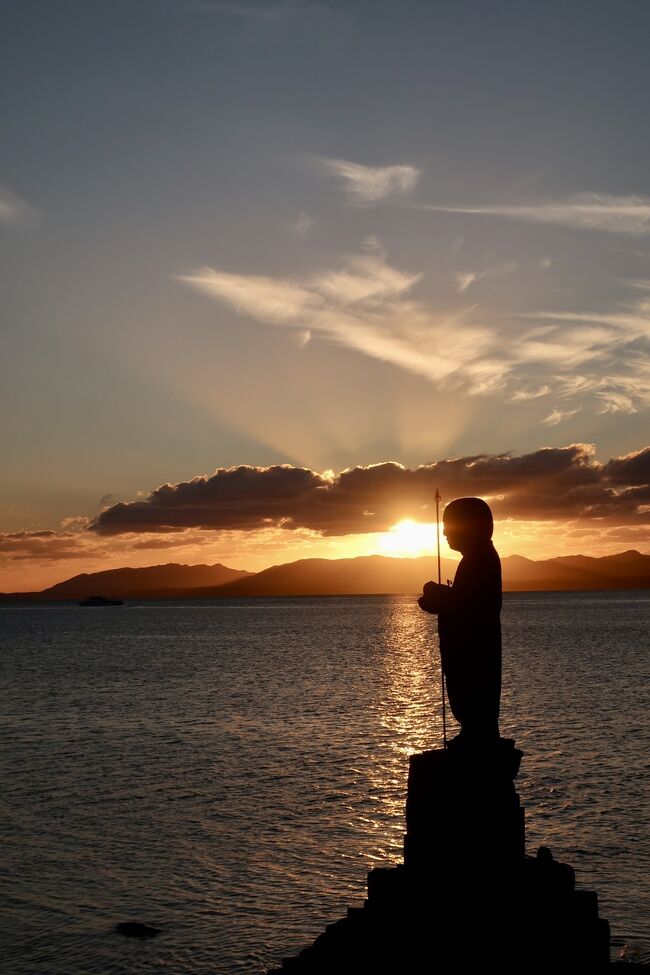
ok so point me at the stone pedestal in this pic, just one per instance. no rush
(462, 808)
(466, 896)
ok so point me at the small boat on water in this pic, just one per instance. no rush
(100, 601)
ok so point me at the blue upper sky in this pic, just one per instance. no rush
(322, 234)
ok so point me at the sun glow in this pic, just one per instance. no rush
(410, 537)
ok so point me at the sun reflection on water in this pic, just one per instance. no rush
(407, 717)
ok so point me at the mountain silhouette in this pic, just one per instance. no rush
(130, 583)
(363, 575)
(625, 570)
(377, 574)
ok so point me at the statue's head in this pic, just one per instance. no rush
(466, 523)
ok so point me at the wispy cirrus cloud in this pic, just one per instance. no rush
(632, 322)
(12, 208)
(613, 401)
(605, 354)
(303, 224)
(613, 392)
(532, 392)
(583, 211)
(365, 305)
(273, 11)
(557, 416)
(370, 184)
(465, 279)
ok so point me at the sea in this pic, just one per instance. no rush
(228, 771)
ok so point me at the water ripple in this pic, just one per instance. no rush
(229, 771)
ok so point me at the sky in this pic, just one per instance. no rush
(274, 271)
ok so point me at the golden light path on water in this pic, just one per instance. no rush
(407, 719)
(230, 770)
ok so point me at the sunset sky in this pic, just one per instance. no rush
(274, 271)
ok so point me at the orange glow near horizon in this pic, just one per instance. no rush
(255, 551)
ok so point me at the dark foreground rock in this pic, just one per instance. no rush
(467, 896)
(135, 929)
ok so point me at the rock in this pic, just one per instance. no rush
(136, 929)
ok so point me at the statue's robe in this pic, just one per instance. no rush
(469, 627)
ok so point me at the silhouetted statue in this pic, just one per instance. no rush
(467, 895)
(469, 623)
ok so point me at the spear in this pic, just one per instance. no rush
(442, 676)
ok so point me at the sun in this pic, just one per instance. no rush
(409, 537)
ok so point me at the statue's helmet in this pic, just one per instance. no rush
(471, 515)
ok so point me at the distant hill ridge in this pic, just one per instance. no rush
(366, 574)
(137, 582)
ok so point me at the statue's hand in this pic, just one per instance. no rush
(427, 600)
(433, 597)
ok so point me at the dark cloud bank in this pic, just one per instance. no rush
(554, 483)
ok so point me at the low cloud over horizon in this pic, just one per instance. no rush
(550, 483)
(542, 502)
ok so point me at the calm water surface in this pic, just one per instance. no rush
(229, 771)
